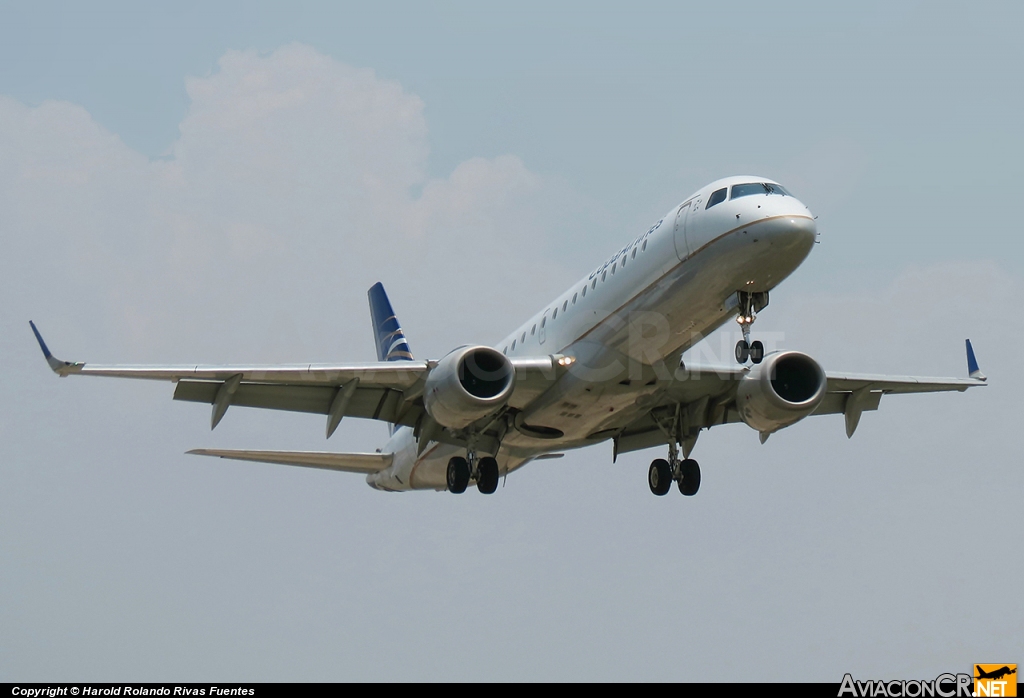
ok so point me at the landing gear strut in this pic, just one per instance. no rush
(662, 472)
(750, 304)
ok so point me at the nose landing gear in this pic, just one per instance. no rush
(750, 304)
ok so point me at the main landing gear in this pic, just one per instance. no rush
(663, 472)
(461, 470)
(750, 304)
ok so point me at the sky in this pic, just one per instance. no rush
(180, 183)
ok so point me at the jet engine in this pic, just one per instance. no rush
(468, 384)
(779, 391)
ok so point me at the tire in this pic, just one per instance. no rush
(756, 352)
(742, 351)
(487, 475)
(659, 477)
(689, 483)
(457, 475)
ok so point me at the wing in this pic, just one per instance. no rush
(700, 397)
(389, 391)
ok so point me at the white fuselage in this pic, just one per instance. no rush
(657, 296)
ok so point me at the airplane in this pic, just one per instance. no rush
(996, 674)
(602, 362)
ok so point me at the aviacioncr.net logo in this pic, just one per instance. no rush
(943, 686)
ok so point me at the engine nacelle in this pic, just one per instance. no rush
(468, 384)
(779, 391)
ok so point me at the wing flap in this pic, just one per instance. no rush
(343, 462)
(835, 403)
(367, 403)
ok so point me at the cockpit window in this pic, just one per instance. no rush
(715, 199)
(764, 188)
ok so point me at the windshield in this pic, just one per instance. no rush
(765, 188)
(716, 198)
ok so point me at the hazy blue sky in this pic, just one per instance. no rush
(182, 182)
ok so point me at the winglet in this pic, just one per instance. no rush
(972, 364)
(61, 368)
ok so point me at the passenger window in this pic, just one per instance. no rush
(614, 264)
(544, 322)
(593, 284)
(717, 198)
(574, 298)
(523, 338)
(643, 247)
(533, 330)
(634, 253)
(623, 261)
(513, 345)
(554, 314)
(584, 291)
(505, 350)
(565, 305)
(604, 275)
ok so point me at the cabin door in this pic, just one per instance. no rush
(679, 233)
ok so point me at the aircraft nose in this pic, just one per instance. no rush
(801, 231)
(794, 232)
(804, 227)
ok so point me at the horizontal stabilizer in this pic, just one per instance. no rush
(345, 462)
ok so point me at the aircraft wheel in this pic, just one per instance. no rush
(487, 475)
(659, 477)
(689, 481)
(742, 351)
(458, 474)
(756, 352)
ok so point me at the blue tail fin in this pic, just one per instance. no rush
(391, 343)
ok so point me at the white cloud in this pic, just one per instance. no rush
(297, 182)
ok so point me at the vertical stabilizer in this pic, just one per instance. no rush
(388, 334)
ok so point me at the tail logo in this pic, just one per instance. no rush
(390, 339)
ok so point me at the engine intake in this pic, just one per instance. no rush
(468, 384)
(781, 390)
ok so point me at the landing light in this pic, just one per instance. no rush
(566, 361)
